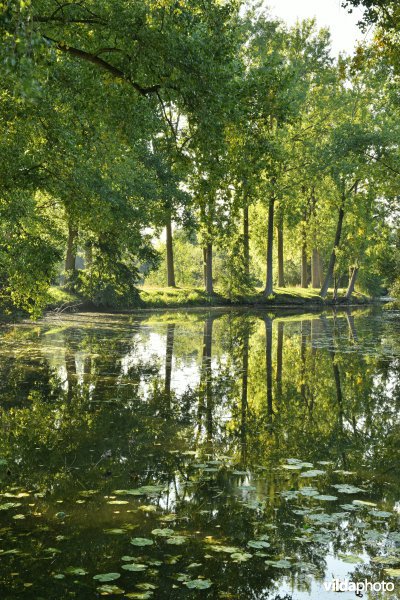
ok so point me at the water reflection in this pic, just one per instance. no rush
(263, 445)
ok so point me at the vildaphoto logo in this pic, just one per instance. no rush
(358, 587)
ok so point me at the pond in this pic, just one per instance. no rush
(200, 454)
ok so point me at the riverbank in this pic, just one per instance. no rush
(162, 297)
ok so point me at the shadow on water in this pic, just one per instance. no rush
(231, 454)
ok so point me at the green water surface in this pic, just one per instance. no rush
(207, 454)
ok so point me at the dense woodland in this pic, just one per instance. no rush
(191, 143)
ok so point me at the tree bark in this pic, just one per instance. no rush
(268, 357)
(205, 267)
(332, 260)
(304, 265)
(281, 273)
(279, 360)
(245, 375)
(209, 270)
(246, 241)
(70, 258)
(207, 357)
(168, 357)
(170, 255)
(315, 269)
(88, 255)
(270, 246)
(352, 283)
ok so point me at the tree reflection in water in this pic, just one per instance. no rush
(229, 430)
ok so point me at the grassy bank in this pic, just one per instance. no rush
(163, 297)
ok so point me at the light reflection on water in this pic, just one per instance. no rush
(213, 409)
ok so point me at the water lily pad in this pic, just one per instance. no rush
(380, 514)
(393, 572)
(226, 549)
(115, 531)
(141, 541)
(313, 473)
(163, 532)
(8, 505)
(258, 544)
(241, 556)
(344, 488)
(148, 508)
(308, 491)
(325, 498)
(144, 490)
(279, 564)
(363, 503)
(134, 567)
(386, 560)
(139, 595)
(118, 502)
(177, 540)
(198, 584)
(350, 558)
(107, 577)
(75, 571)
(106, 590)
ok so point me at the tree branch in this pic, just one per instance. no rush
(99, 62)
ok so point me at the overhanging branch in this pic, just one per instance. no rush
(99, 62)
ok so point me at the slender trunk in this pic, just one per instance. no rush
(279, 360)
(281, 273)
(70, 367)
(205, 267)
(352, 327)
(332, 260)
(270, 246)
(245, 375)
(352, 283)
(268, 356)
(168, 357)
(315, 269)
(303, 358)
(88, 255)
(304, 265)
(207, 353)
(170, 256)
(209, 270)
(246, 241)
(70, 258)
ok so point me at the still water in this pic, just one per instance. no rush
(222, 454)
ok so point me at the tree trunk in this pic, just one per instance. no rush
(170, 256)
(209, 270)
(70, 258)
(207, 357)
(205, 267)
(304, 265)
(88, 255)
(279, 360)
(332, 260)
(245, 375)
(246, 241)
(315, 269)
(352, 283)
(168, 357)
(270, 246)
(268, 356)
(281, 274)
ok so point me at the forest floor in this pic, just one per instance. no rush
(181, 297)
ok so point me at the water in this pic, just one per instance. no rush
(223, 454)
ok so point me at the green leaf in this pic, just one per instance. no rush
(198, 584)
(107, 577)
(134, 567)
(141, 542)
